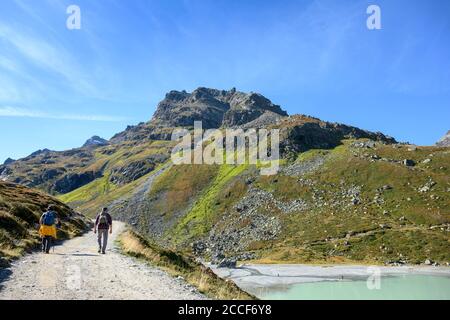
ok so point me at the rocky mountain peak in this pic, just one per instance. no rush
(95, 141)
(39, 152)
(215, 108)
(8, 161)
(445, 140)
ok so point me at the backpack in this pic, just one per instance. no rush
(103, 219)
(48, 219)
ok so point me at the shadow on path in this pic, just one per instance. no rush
(83, 255)
(5, 273)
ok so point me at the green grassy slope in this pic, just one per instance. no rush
(102, 191)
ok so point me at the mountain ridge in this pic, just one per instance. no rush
(63, 171)
(341, 193)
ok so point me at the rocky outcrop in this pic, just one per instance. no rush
(38, 153)
(132, 171)
(72, 181)
(300, 133)
(215, 108)
(142, 131)
(245, 108)
(4, 172)
(94, 142)
(445, 141)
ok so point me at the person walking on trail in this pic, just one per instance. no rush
(103, 223)
(47, 229)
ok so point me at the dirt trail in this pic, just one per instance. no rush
(76, 271)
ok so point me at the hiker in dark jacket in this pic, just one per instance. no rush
(103, 223)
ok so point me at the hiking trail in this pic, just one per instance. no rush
(75, 271)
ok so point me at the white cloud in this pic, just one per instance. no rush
(52, 58)
(8, 111)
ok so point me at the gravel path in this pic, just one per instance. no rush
(76, 271)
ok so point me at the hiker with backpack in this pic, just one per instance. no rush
(103, 223)
(47, 230)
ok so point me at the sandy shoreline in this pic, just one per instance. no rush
(253, 276)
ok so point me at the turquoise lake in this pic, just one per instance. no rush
(403, 287)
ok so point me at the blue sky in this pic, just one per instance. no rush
(58, 87)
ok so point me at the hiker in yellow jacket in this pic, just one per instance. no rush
(47, 229)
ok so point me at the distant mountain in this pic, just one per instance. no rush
(445, 141)
(95, 141)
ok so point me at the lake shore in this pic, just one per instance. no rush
(252, 277)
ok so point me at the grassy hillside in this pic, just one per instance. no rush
(365, 205)
(358, 202)
(20, 210)
(116, 163)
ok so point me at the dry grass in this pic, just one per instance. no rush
(20, 209)
(176, 264)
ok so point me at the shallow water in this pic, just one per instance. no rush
(404, 287)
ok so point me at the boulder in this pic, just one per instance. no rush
(227, 263)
